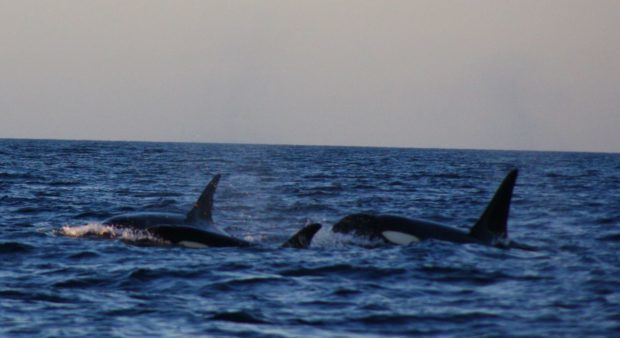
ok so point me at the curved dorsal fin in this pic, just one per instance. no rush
(204, 206)
(493, 224)
(302, 238)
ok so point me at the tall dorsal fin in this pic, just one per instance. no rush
(302, 238)
(492, 227)
(204, 206)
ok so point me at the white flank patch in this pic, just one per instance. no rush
(193, 245)
(399, 237)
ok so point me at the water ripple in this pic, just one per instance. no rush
(63, 278)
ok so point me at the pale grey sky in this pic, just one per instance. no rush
(540, 75)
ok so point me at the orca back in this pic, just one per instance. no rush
(194, 237)
(143, 220)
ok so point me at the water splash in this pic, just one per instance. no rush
(96, 230)
(326, 238)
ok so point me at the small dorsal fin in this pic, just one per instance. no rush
(302, 238)
(492, 227)
(204, 206)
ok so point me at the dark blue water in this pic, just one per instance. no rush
(56, 282)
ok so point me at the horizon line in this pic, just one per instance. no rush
(309, 145)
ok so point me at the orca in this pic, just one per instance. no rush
(490, 229)
(196, 229)
(198, 238)
(199, 216)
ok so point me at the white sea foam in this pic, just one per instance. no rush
(254, 238)
(107, 231)
(326, 238)
(91, 229)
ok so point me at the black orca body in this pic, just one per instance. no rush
(198, 238)
(199, 216)
(491, 228)
(194, 237)
(196, 229)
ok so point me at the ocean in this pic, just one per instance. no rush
(63, 274)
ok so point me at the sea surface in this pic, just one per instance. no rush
(63, 274)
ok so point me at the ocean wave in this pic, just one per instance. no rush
(148, 274)
(84, 255)
(14, 247)
(613, 237)
(243, 317)
(244, 283)
(365, 272)
(29, 295)
(88, 282)
(19, 176)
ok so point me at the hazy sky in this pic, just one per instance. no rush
(541, 75)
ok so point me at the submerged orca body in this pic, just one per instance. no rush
(198, 238)
(196, 229)
(491, 228)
